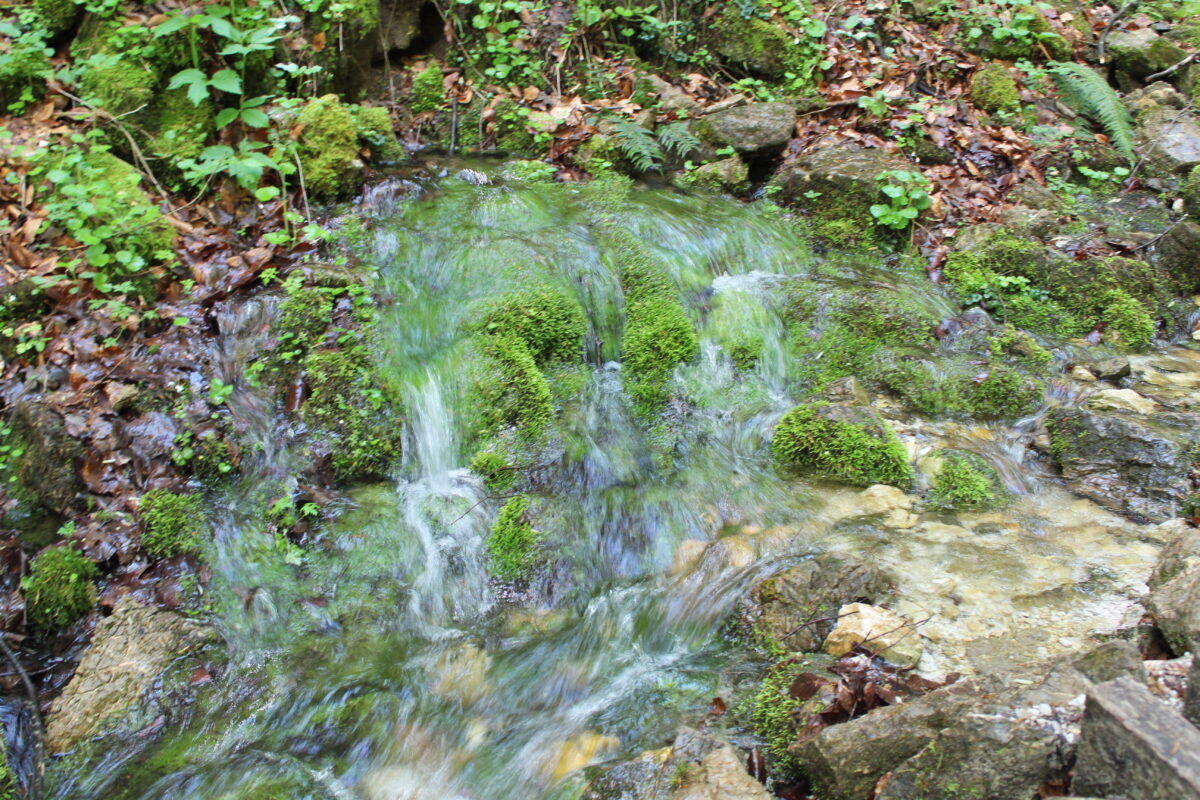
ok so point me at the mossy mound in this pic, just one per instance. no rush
(174, 523)
(427, 91)
(57, 15)
(512, 546)
(22, 68)
(328, 148)
(994, 89)
(1191, 191)
(966, 482)
(754, 44)
(550, 322)
(849, 444)
(980, 32)
(182, 126)
(303, 316)
(507, 389)
(59, 589)
(374, 125)
(351, 414)
(498, 475)
(1003, 393)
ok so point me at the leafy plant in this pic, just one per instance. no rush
(645, 151)
(907, 197)
(1090, 93)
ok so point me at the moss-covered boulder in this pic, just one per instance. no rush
(753, 44)
(1190, 192)
(374, 127)
(58, 16)
(43, 461)
(174, 523)
(328, 149)
(847, 443)
(727, 175)
(1179, 254)
(966, 482)
(752, 129)
(993, 88)
(1142, 52)
(507, 390)
(427, 92)
(988, 30)
(59, 589)
(550, 322)
(838, 183)
(512, 545)
(181, 127)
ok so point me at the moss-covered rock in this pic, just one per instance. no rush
(550, 322)
(182, 126)
(57, 15)
(980, 33)
(328, 149)
(174, 523)
(303, 316)
(427, 91)
(120, 84)
(498, 475)
(1003, 393)
(154, 235)
(512, 546)
(507, 389)
(375, 128)
(23, 68)
(352, 415)
(59, 589)
(993, 88)
(512, 134)
(849, 444)
(1190, 191)
(756, 45)
(727, 175)
(966, 482)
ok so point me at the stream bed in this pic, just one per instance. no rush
(382, 662)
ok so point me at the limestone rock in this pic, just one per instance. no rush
(129, 649)
(801, 600)
(842, 173)
(1171, 140)
(1142, 52)
(1174, 599)
(1110, 369)
(1121, 400)
(892, 503)
(720, 776)
(655, 774)
(754, 128)
(881, 630)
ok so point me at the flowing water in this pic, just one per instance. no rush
(382, 663)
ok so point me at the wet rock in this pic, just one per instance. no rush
(129, 649)
(1174, 599)
(880, 630)
(1110, 369)
(1179, 253)
(727, 175)
(48, 470)
(719, 776)
(579, 751)
(655, 774)
(1142, 52)
(1081, 374)
(1111, 660)
(1122, 463)
(754, 129)
(1191, 702)
(843, 174)
(1135, 746)
(846, 392)
(1036, 196)
(1170, 140)
(1121, 400)
(798, 607)
(671, 96)
(1031, 222)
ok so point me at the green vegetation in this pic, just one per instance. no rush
(174, 523)
(507, 388)
(427, 91)
(550, 323)
(513, 544)
(328, 148)
(849, 444)
(58, 589)
(498, 475)
(994, 89)
(966, 482)
(907, 194)
(1090, 93)
(1003, 393)
(770, 715)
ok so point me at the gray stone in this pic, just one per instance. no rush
(846, 391)
(1133, 744)
(1110, 369)
(1142, 52)
(1110, 661)
(843, 174)
(1179, 253)
(719, 776)
(1170, 140)
(1029, 222)
(754, 129)
(1174, 599)
(1191, 702)
(129, 649)
(803, 601)
(1128, 465)
(657, 774)
(671, 96)
(1032, 194)
(49, 467)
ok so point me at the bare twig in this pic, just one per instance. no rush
(1125, 9)
(1177, 65)
(1174, 225)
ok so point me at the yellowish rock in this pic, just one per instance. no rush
(687, 555)
(579, 751)
(1121, 400)
(888, 633)
(462, 674)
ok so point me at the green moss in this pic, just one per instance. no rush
(59, 588)
(303, 316)
(154, 237)
(328, 148)
(658, 337)
(1016, 344)
(174, 523)
(994, 89)
(513, 544)
(508, 390)
(1003, 393)
(745, 352)
(550, 323)
(770, 714)
(120, 83)
(351, 409)
(22, 68)
(1191, 190)
(56, 15)
(428, 93)
(755, 44)
(851, 445)
(512, 134)
(1190, 507)
(375, 129)
(498, 476)
(966, 483)
(183, 126)
(1128, 318)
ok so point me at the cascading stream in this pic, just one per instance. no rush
(383, 664)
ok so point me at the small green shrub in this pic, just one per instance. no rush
(174, 523)
(58, 589)
(427, 91)
(495, 470)
(907, 197)
(550, 322)
(809, 437)
(512, 545)
(1003, 393)
(967, 483)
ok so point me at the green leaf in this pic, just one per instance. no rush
(226, 116)
(197, 93)
(255, 118)
(892, 191)
(181, 321)
(227, 81)
(185, 77)
(266, 193)
(878, 210)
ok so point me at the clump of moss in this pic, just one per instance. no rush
(1017, 344)
(770, 715)
(1191, 191)
(375, 128)
(550, 323)
(59, 588)
(22, 68)
(745, 352)
(183, 126)
(1128, 318)
(174, 523)
(303, 316)
(966, 483)
(993, 88)
(513, 544)
(427, 91)
(120, 84)
(508, 390)
(328, 148)
(56, 15)
(1003, 393)
(755, 44)
(850, 444)
(512, 134)
(498, 475)
(350, 407)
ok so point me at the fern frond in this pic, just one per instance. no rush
(676, 138)
(1090, 94)
(638, 145)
